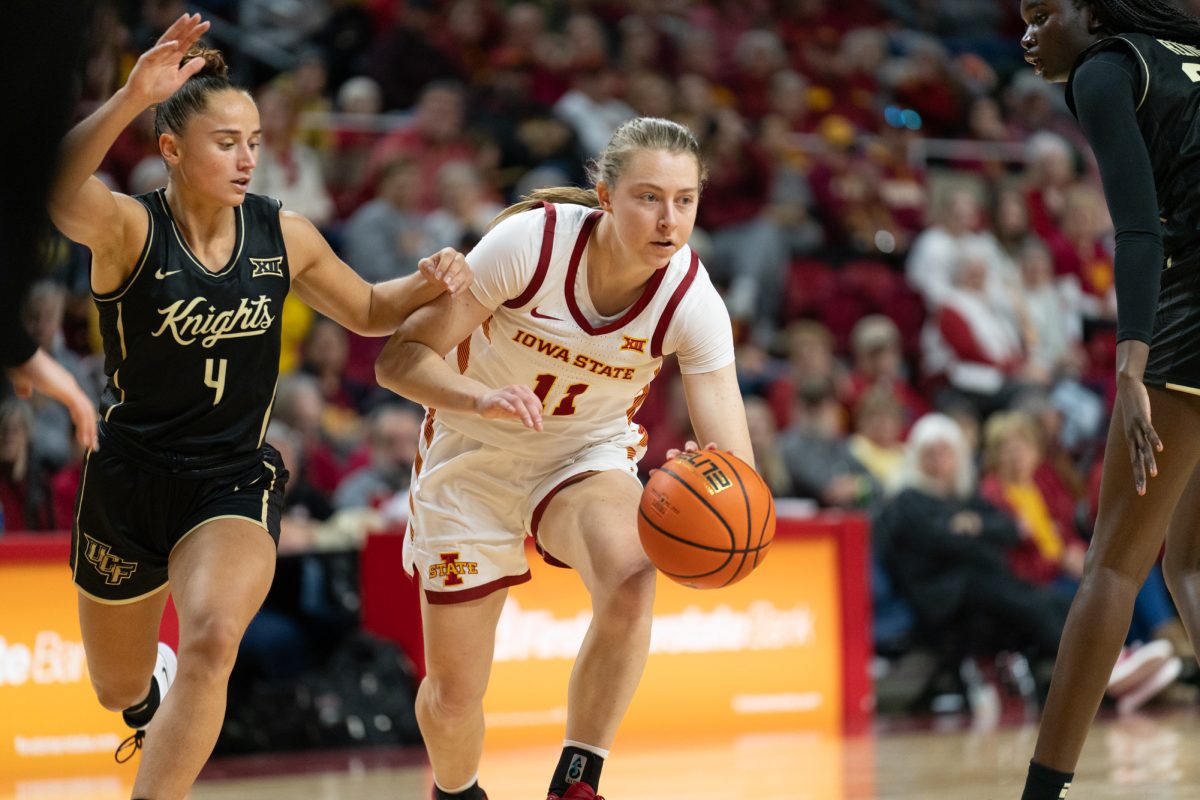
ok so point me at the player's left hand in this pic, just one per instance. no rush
(448, 269)
(1140, 436)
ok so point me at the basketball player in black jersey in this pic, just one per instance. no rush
(1132, 69)
(183, 492)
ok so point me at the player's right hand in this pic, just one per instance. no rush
(44, 374)
(157, 74)
(512, 402)
(1140, 435)
(690, 447)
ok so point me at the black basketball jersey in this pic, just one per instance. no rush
(192, 356)
(1167, 105)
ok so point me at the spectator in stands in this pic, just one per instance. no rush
(300, 405)
(288, 170)
(651, 94)
(324, 357)
(307, 84)
(749, 252)
(972, 348)
(406, 59)
(386, 237)
(862, 53)
(357, 128)
(25, 496)
(1081, 259)
(758, 55)
(433, 139)
(392, 434)
(466, 210)
(878, 439)
(1055, 322)
(768, 455)
(936, 252)
(1051, 550)
(807, 347)
(592, 107)
(878, 363)
(1051, 553)
(817, 452)
(946, 549)
(52, 437)
(1050, 173)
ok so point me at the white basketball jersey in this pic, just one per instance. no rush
(592, 373)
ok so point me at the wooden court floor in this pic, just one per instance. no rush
(1139, 757)
(1152, 757)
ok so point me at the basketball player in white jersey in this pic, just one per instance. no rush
(532, 380)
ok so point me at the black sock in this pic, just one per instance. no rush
(575, 765)
(1043, 783)
(139, 716)
(471, 793)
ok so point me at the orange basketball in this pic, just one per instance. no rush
(706, 519)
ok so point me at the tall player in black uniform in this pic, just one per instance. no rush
(1133, 80)
(183, 492)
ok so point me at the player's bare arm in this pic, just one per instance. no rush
(412, 364)
(330, 286)
(718, 415)
(114, 225)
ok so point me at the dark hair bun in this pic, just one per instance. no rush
(214, 61)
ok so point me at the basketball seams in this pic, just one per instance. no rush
(700, 570)
(679, 478)
(697, 545)
(745, 502)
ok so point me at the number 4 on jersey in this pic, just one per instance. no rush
(566, 406)
(215, 378)
(1192, 70)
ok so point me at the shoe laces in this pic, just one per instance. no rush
(130, 746)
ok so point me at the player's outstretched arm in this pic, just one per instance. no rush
(716, 410)
(329, 285)
(42, 373)
(413, 364)
(80, 204)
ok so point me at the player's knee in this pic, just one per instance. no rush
(630, 594)
(450, 698)
(210, 648)
(1178, 573)
(121, 693)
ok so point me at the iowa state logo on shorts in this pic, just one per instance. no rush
(114, 568)
(451, 568)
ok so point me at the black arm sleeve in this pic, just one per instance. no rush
(1104, 92)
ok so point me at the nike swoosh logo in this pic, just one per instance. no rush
(160, 274)
(540, 315)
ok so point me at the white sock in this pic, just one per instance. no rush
(463, 788)
(587, 747)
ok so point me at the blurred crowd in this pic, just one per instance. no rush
(905, 223)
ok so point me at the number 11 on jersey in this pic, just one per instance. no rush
(214, 376)
(566, 406)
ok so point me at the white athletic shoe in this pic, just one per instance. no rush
(165, 669)
(1136, 697)
(1136, 664)
(164, 675)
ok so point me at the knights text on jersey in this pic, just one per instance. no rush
(591, 372)
(192, 356)
(1167, 105)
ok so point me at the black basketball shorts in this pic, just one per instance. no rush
(1174, 360)
(129, 518)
